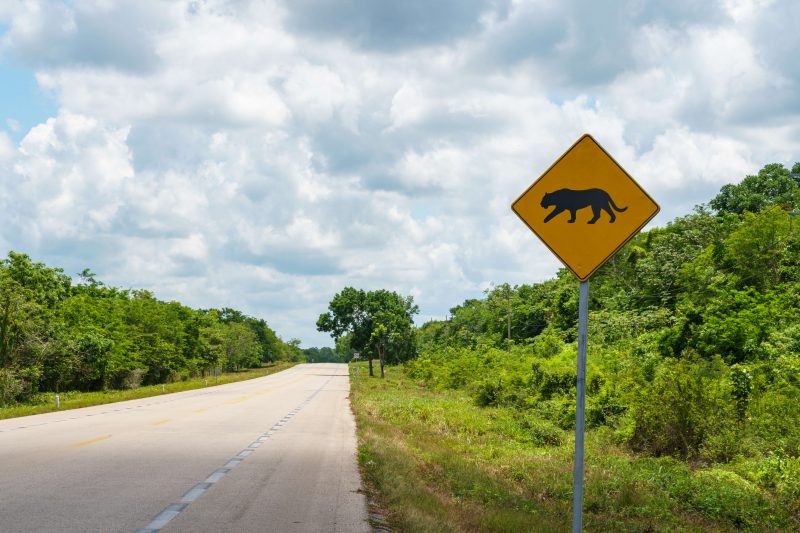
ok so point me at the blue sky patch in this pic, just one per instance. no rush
(21, 100)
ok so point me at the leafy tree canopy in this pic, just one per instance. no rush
(773, 185)
(372, 320)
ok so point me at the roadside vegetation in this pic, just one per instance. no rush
(693, 402)
(59, 336)
(46, 403)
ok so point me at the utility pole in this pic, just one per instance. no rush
(793, 213)
(447, 331)
(508, 301)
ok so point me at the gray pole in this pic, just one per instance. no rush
(447, 331)
(580, 409)
(508, 301)
(793, 213)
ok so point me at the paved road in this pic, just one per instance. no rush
(270, 454)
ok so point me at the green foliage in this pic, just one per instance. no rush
(694, 352)
(684, 404)
(771, 186)
(378, 323)
(437, 461)
(11, 387)
(56, 336)
(322, 355)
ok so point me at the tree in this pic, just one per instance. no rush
(241, 347)
(771, 186)
(49, 286)
(375, 322)
(17, 318)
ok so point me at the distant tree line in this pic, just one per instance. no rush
(59, 335)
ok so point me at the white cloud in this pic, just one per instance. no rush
(7, 148)
(71, 173)
(315, 92)
(260, 155)
(408, 106)
(680, 157)
(193, 247)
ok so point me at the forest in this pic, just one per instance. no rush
(60, 335)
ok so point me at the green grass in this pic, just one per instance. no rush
(434, 461)
(76, 399)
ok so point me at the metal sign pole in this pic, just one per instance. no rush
(580, 408)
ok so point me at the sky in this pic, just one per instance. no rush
(263, 155)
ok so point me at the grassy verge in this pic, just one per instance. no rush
(75, 399)
(436, 462)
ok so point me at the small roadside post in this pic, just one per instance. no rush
(584, 208)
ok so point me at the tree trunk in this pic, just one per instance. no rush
(381, 351)
(370, 368)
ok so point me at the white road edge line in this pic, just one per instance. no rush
(174, 509)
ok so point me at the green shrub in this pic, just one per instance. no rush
(11, 387)
(725, 495)
(775, 420)
(488, 392)
(541, 432)
(685, 403)
(547, 344)
(603, 406)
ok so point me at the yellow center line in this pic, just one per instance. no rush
(241, 399)
(201, 410)
(90, 441)
(268, 390)
(162, 421)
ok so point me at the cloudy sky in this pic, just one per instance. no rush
(264, 154)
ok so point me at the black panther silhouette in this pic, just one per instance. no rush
(572, 201)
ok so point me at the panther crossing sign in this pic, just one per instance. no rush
(585, 207)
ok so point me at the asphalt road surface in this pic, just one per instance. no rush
(270, 454)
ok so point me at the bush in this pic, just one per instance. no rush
(129, 379)
(547, 344)
(685, 403)
(542, 432)
(11, 387)
(725, 495)
(552, 381)
(775, 420)
(488, 392)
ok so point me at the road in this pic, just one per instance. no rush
(276, 453)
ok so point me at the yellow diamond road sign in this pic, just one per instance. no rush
(585, 207)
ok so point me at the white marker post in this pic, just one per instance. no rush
(580, 407)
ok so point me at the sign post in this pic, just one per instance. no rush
(580, 407)
(584, 208)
